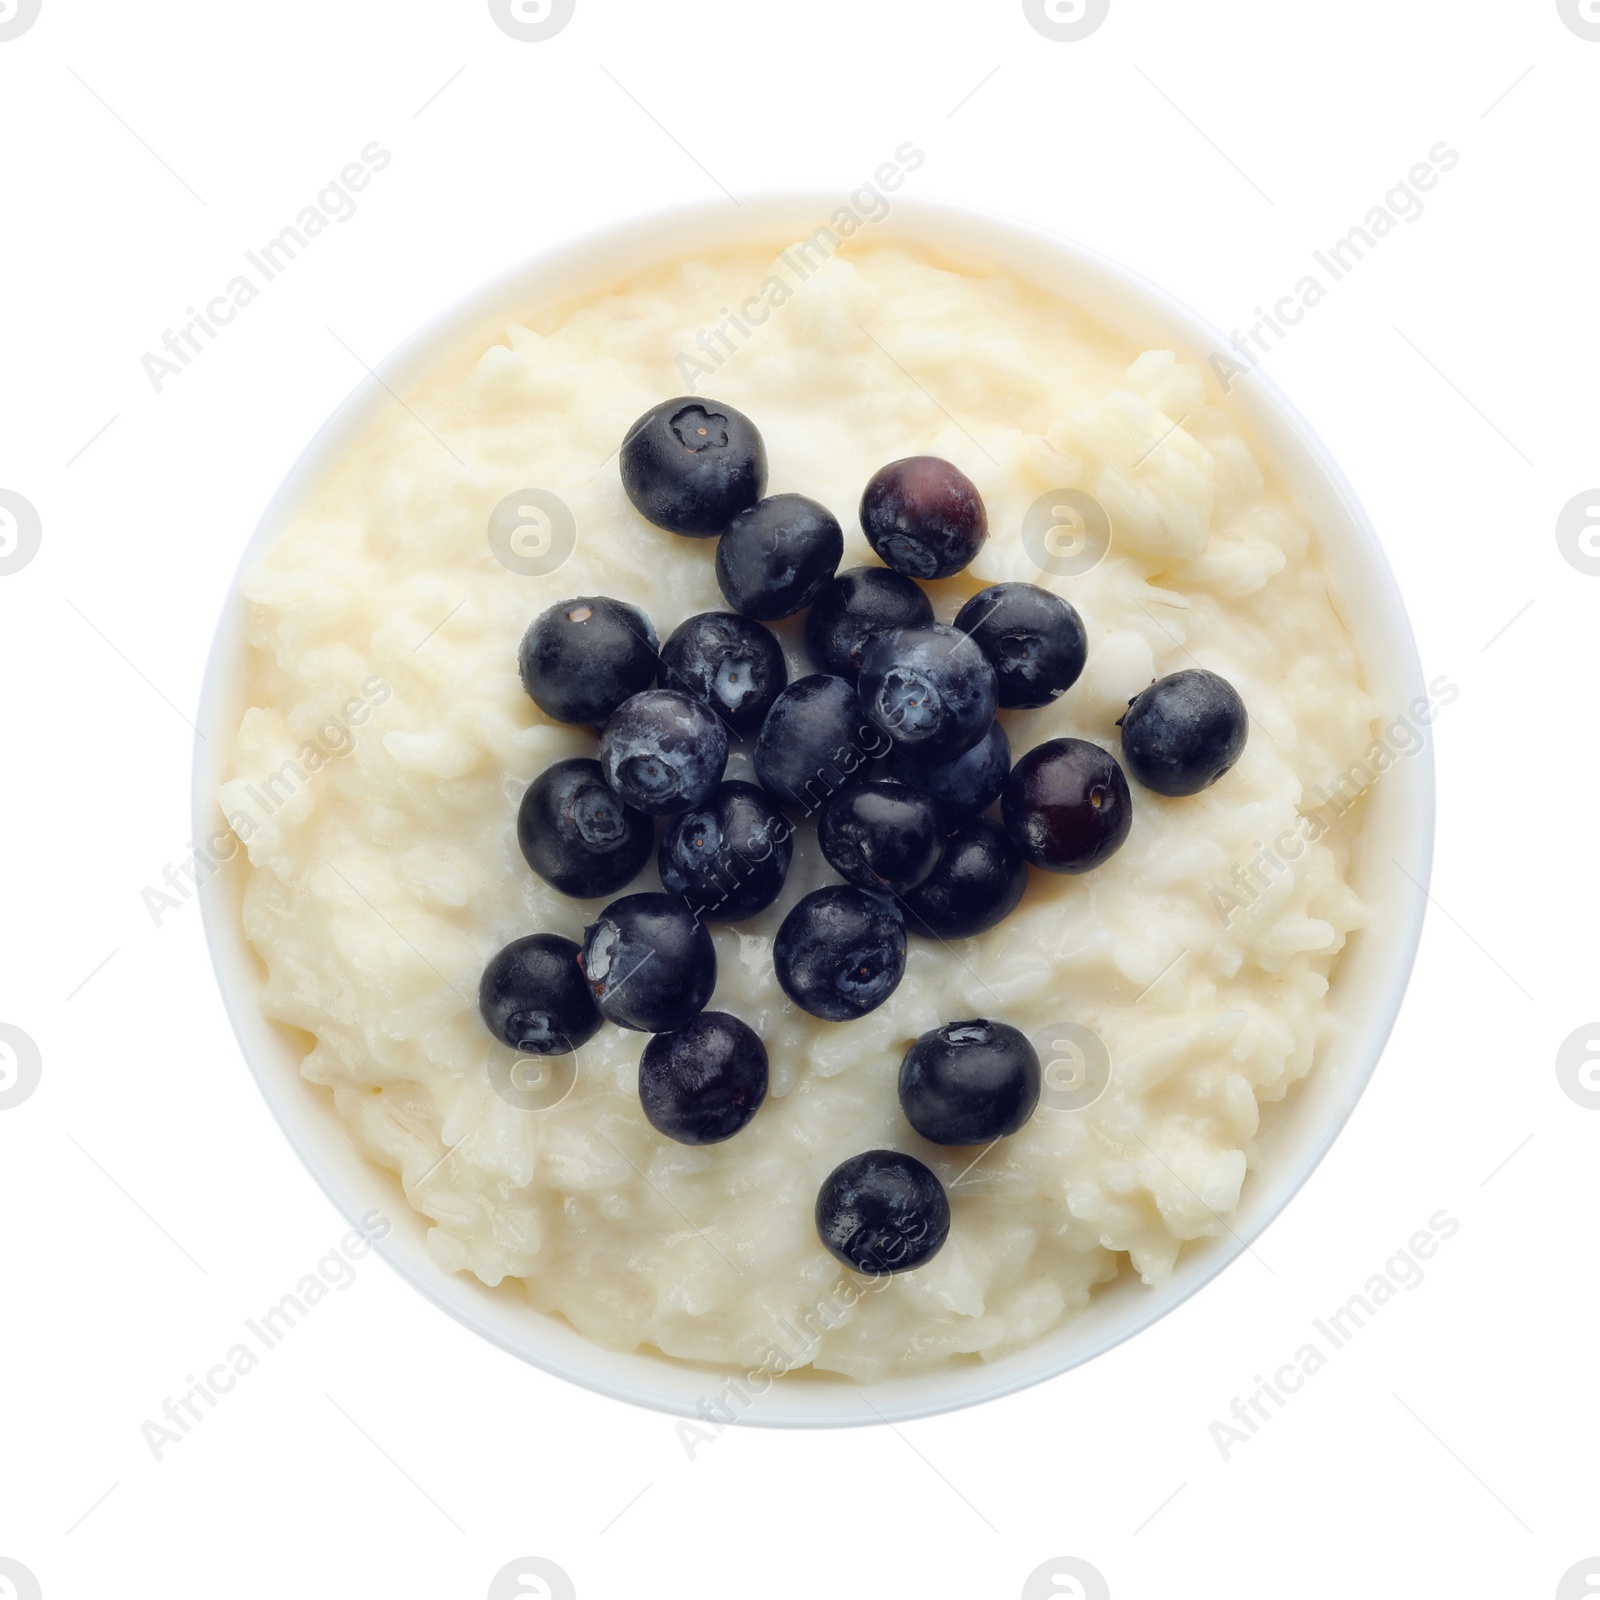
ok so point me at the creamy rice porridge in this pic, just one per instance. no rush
(377, 771)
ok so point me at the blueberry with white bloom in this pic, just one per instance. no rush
(663, 752)
(930, 689)
(728, 662)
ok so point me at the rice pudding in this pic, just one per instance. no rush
(384, 869)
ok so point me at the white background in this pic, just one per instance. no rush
(149, 1201)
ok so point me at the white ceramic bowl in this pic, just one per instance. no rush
(1371, 976)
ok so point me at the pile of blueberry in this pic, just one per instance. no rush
(916, 849)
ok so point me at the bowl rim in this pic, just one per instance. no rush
(652, 1381)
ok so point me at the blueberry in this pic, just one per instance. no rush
(691, 465)
(1067, 805)
(881, 836)
(778, 556)
(923, 517)
(816, 739)
(577, 834)
(1184, 732)
(1034, 640)
(701, 1083)
(581, 659)
(857, 604)
(963, 787)
(663, 752)
(930, 689)
(731, 664)
(728, 858)
(969, 1082)
(534, 999)
(978, 883)
(650, 962)
(840, 952)
(882, 1212)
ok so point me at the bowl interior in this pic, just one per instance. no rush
(1368, 984)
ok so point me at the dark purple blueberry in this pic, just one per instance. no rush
(576, 833)
(963, 787)
(728, 858)
(663, 752)
(534, 999)
(978, 883)
(930, 689)
(1184, 732)
(691, 465)
(732, 664)
(1034, 640)
(581, 659)
(923, 517)
(881, 836)
(701, 1083)
(840, 952)
(815, 741)
(778, 556)
(882, 1212)
(1067, 805)
(857, 604)
(969, 1082)
(650, 962)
